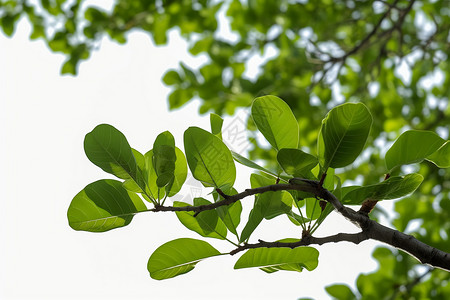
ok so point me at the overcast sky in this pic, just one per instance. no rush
(44, 117)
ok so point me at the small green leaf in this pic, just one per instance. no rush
(172, 77)
(441, 158)
(280, 259)
(150, 177)
(412, 146)
(340, 292)
(206, 223)
(178, 257)
(296, 162)
(216, 125)
(393, 188)
(103, 205)
(345, 130)
(209, 158)
(276, 122)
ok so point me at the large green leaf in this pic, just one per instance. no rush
(412, 146)
(279, 259)
(209, 158)
(107, 147)
(103, 205)
(276, 122)
(345, 130)
(296, 162)
(393, 188)
(206, 223)
(441, 157)
(178, 257)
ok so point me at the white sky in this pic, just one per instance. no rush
(44, 118)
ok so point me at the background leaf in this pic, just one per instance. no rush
(275, 121)
(178, 257)
(103, 205)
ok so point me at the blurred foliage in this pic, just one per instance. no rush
(391, 55)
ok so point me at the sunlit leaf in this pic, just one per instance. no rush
(280, 259)
(103, 205)
(206, 223)
(178, 257)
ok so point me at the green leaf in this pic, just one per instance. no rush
(296, 162)
(312, 208)
(248, 163)
(206, 223)
(209, 158)
(276, 122)
(340, 292)
(130, 184)
(164, 158)
(345, 130)
(172, 77)
(412, 146)
(441, 158)
(150, 176)
(107, 148)
(280, 259)
(178, 257)
(103, 205)
(216, 125)
(393, 188)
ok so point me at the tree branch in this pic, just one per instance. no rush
(370, 229)
(355, 238)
